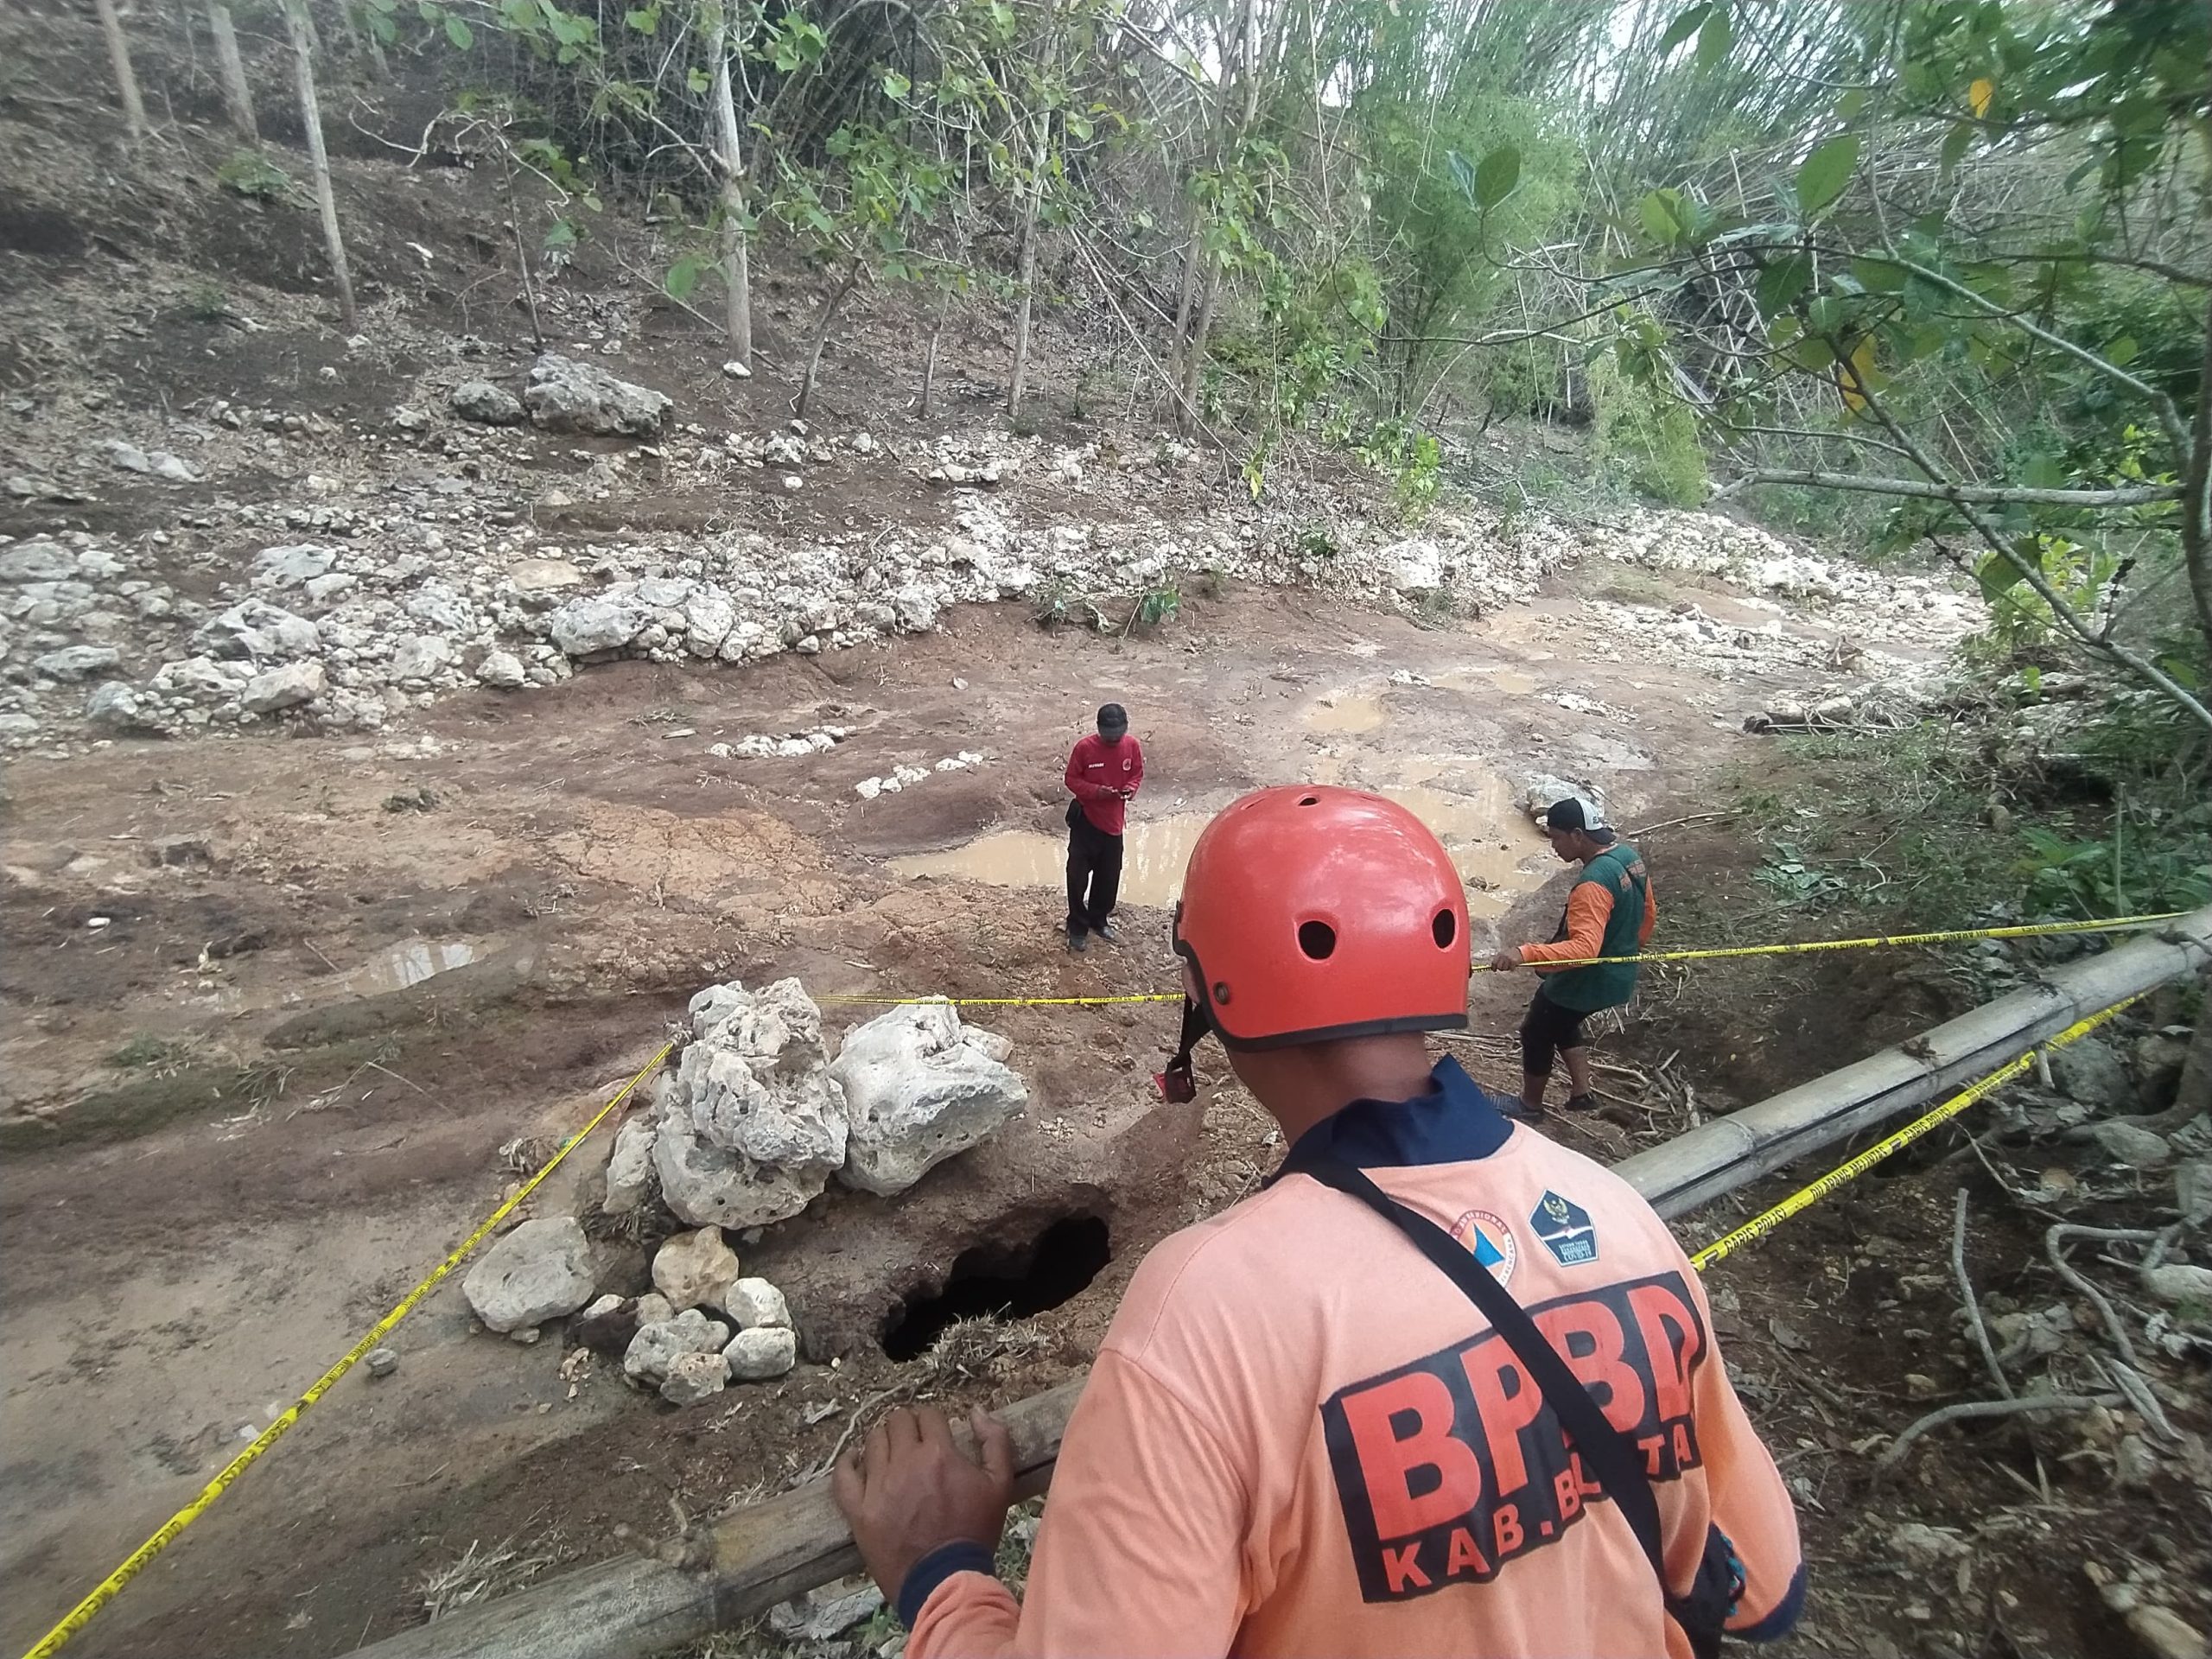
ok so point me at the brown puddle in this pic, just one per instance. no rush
(1345, 711)
(1484, 830)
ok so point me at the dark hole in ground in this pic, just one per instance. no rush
(1005, 1282)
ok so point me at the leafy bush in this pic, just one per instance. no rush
(253, 175)
(1656, 435)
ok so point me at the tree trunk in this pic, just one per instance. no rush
(729, 162)
(126, 79)
(1194, 358)
(237, 96)
(326, 200)
(822, 337)
(1028, 277)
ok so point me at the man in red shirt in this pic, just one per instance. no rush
(1104, 774)
(1301, 1437)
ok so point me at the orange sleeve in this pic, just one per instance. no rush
(1650, 914)
(1140, 1551)
(1589, 908)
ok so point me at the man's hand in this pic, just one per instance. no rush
(910, 1490)
(1505, 962)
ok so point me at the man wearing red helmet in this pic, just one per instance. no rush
(1299, 1437)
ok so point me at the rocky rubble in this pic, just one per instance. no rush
(427, 577)
(753, 1123)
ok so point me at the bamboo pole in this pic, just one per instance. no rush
(713, 1576)
(769, 1551)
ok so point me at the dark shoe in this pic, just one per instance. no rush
(1105, 931)
(1581, 1104)
(1078, 943)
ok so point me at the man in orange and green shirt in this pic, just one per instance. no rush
(1610, 914)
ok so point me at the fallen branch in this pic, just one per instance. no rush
(1972, 1305)
(2131, 495)
(2034, 1402)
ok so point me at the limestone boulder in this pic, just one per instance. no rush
(596, 623)
(694, 1269)
(756, 1356)
(660, 1342)
(285, 686)
(752, 1304)
(566, 396)
(752, 1126)
(694, 1377)
(917, 1093)
(482, 402)
(540, 1271)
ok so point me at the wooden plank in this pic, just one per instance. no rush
(772, 1551)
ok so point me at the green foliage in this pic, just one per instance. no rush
(208, 301)
(1412, 460)
(1652, 434)
(1154, 607)
(250, 174)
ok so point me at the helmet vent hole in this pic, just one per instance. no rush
(1310, 800)
(1317, 939)
(1445, 927)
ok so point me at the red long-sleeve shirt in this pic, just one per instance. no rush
(1097, 772)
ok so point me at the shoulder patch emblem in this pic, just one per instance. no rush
(1489, 1241)
(1565, 1229)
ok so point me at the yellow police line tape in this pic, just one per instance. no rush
(2033, 931)
(1805, 1197)
(81, 1614)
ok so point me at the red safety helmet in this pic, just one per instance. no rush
(1312, 914)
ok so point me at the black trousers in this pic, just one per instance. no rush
(1094, 874)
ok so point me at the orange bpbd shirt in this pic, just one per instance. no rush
(1300, 1438)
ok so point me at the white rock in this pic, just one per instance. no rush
(77, 662)
(174, 468)
(736, 370)
(819, 1615)
(916, 1094)
(284, 687)
(630, 1169)
(694, 1377)
(658, 1342)
(694, 1269)
(257, 630)
(708, 618)
(753, 1125)
(423, 657)
(292, 566)
(322, 589)
(39, 561)
(540, 1271)
(755, 1356)
(2179, 1281)
(565, 395)
(1414, 564)
(752, 1303)
(128, 457)
(2132, 1146)
(501, 670)
(586, 627)
(481, 400)
(654, 1309)
(543, 575)
(116, 705)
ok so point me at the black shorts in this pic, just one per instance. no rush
(1547, 1028)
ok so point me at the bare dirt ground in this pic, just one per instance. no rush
(268, 1136)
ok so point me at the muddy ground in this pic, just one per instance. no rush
(267, 1135)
